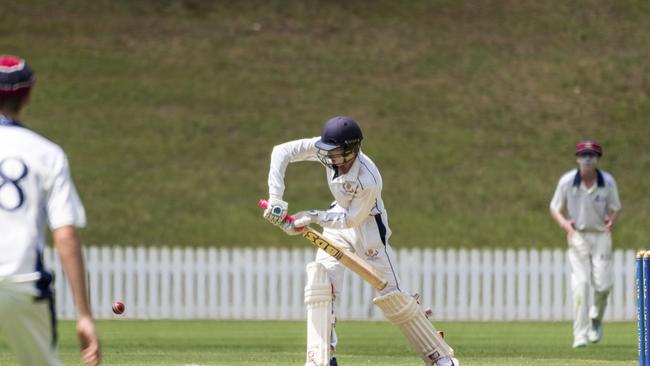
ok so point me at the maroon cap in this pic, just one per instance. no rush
(584, 146)
(16, 77)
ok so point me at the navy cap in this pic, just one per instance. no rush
(16, 77)
(339, 131)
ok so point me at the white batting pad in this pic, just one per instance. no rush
(403, 311)
(318, 298)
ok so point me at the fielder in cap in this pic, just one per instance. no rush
(586, 205)
(36, 190)
(357, 220)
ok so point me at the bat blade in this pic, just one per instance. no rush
(349, 259)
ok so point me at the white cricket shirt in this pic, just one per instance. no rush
(35, 190)
(589, 207)
(357, 193)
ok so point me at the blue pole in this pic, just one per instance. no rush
(646, 302)
(640, 307)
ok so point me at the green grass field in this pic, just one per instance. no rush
(169, 110)
(281, 343)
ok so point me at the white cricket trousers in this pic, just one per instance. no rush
(590, 256)
(378, 255)
(28, 326)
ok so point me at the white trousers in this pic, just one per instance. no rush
(378, 255)
(590, 256)
(28, 326)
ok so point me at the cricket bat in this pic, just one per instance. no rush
(349, 259)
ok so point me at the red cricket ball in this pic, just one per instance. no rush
(118, 307)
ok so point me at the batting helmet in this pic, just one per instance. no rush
(16, 77)
(339, 131)
(589, 146)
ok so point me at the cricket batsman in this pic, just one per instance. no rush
(356, 220)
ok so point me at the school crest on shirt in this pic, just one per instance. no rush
(348, 188)
(371, 253)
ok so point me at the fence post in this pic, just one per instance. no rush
(546, 274)
(452, 280)
(93, 283)
(511, 271)
(475, 284)
(189, 272)
(487, 271)
(200, 288)
(499, 270)
(558, 285)
(213, 284)
(533, 285)
(151, 273)
(165, 283)
(522, 284)
(224, 283)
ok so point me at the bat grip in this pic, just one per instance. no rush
(263, 204)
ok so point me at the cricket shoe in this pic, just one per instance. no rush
(596, 332)
(332, 362)
(447, 361)
(580, 343)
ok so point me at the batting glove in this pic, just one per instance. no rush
(290, 228)
(304, 218)
(276, 211)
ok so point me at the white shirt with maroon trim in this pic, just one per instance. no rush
(589, 207)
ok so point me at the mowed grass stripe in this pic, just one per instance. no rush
(281, 343)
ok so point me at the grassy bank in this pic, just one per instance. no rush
(169, 110)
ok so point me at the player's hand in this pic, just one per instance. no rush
(304, 218)
(290, 228)
(610, 225)
(88, 340)
(570, 229)
(276, 211)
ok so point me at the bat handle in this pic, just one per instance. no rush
(263, 204)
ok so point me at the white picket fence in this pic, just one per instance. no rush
(267, 283)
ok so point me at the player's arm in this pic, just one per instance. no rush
(65, 212)
(613, 216)
(613, 206)
(281, 156)
(359, 210)
(68, 245)
(564, 223)
(556, 207)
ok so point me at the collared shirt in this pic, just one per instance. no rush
(589, 207)
(357, 193)
(35, 190)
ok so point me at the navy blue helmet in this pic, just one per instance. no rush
(339, 132)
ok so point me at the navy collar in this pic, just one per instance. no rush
(6, 121)
(599, 176)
